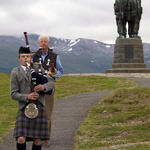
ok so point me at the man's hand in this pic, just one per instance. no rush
(39, 88)
(52, 73)
(33, 96)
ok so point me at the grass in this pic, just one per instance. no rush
(65, 86)
(72, 85)
(117, 121)
(7, 106)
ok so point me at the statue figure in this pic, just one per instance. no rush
(128, 11)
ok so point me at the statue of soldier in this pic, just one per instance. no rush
(128, 11)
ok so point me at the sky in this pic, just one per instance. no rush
(69, 19)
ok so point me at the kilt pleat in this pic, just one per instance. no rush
(32, 128)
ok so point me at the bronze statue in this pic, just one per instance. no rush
(128, 11)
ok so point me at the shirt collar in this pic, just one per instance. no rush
(23, 67)
(45, 54)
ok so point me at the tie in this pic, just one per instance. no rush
(27, 72)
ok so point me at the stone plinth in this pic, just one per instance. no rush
(128, 57)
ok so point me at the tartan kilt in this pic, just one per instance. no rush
(32, 128)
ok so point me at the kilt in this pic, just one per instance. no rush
(32, 128)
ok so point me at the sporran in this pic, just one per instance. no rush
(31, 111)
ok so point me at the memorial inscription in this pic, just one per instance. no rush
(129, 51)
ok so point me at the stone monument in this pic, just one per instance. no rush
(128, 50)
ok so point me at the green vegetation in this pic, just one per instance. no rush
(65, 86)
(119, 121)
(7, 106)
(72, 85)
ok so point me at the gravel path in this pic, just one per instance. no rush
(142, 82)
(67, 116)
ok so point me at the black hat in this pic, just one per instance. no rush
(24, 50)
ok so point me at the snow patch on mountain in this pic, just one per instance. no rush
(108, 46)
(74, 42)
(70, 49)
(95, 42)
(92, 61)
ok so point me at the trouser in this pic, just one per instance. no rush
(49, 104)
(133, 26)
(121, 24)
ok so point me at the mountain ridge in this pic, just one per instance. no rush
(77, 55)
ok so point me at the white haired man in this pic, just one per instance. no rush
(47, 56)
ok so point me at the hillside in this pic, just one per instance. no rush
(65, 86)
(119, 122)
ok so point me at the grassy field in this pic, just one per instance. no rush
(65, 86)
(120, 121)
(72, 85)
(7, 106)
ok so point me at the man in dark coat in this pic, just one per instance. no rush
(51, 62)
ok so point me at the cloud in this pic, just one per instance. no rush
(92, 19)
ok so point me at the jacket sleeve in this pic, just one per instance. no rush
(14, 88)
(50, 84)
(58, 67)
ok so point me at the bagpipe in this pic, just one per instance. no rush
(38, 74)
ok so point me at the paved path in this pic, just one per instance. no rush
(67, 116)
(142, 82)
(143, 79)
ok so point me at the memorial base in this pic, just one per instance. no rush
(128, 57)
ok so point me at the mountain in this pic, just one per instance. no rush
(77, 56)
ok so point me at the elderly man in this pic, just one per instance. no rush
(48, 59)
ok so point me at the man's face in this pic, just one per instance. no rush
(24, 58)
(44, 43)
